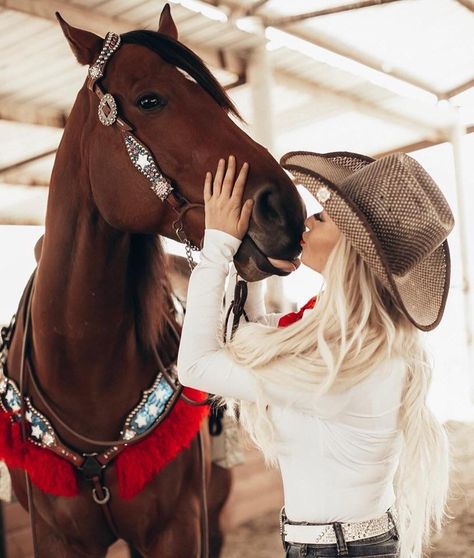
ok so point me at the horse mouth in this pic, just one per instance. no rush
(253, 264)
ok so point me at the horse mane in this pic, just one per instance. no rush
(151, 292)
(151, 287)
(182, 57)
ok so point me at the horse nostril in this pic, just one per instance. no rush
(267, 206)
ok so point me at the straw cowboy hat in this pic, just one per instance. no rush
(396, 218)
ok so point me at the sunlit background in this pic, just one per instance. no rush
(371, 77)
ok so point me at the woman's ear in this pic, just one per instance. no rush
(167, 25)
(85, 45)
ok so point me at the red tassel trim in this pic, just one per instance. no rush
(47, 471)
(136, 465)
(139, 463)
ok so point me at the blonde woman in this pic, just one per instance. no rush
(337, 398)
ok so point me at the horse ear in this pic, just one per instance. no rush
(85, 45)
(167, 25)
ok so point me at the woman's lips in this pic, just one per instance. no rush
(285, 265)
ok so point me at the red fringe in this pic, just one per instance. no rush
(139, 463)
(47, 471)
(136, 465)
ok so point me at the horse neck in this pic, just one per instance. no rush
(82, 314)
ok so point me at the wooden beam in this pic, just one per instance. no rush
(419, 145)
(347, 51)
(27, 113)
(81, 16)
(280, 21)
(469, 4)
(251, 10)
(359, 103)
(458, 89)
(24, 162)
(343, 49)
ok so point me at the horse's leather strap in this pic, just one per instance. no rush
(119, 443)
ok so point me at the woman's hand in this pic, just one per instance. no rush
(223, 200)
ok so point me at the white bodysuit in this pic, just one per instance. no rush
(337, 459)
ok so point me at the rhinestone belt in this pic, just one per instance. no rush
(325, 534)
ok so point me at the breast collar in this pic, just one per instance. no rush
(155, 404)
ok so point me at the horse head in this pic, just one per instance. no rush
(182, 115)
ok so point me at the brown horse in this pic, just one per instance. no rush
(101, 300)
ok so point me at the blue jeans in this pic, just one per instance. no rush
(381, 546)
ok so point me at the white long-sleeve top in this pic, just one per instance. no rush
(338, 458)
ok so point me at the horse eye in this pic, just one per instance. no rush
(150, 102)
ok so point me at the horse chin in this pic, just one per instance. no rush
(252, 264)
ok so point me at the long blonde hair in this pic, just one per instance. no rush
(355, 326)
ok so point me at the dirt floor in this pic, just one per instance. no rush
(260, 539)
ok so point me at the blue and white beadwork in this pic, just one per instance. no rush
(10, 397)
(41, 431)
(143, 417)
(153, 404)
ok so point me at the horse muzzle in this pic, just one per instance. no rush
(253, 264)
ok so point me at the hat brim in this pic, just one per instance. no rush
(422, 292)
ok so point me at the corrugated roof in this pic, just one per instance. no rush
(324, 94)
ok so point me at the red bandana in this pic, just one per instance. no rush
(136, 465)
(293, 317)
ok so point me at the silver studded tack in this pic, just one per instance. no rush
(48, 439)
(162, 189)
(111, 44)
(129, 434)
(143, 161)
(94, 72)
(107, 110)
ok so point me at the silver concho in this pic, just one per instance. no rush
(107, 118)
(323, 194)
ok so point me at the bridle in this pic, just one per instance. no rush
(140, 155)
(143, 160)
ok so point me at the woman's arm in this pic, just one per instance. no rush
(202, 363)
